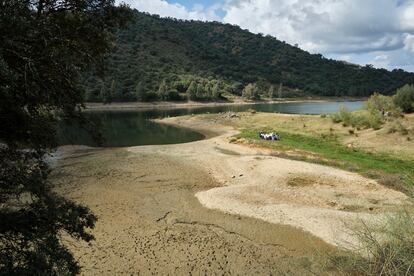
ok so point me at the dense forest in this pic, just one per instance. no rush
(168, 59)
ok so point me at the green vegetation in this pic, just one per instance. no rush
(378, 109)
(358, 119)
(44, 47)
(404, 98)
(152, 50)
(330, 151)
(251, 92)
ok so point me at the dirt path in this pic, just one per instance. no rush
(151, 203)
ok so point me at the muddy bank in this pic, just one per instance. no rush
(150, 222)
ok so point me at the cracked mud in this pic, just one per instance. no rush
(150, 222)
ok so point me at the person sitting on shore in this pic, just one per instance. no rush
(270, 136)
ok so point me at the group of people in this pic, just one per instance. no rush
(269, 136)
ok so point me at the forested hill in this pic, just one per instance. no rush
(164, 58)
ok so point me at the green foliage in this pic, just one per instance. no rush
(201, 89)
(404, 98)
(140, 93)
(151, 49)
(382, 104)
(280, 91)
(358, 119)
(192, 91)
(345, 116)
(44, 47)
(162, 90)
(272, 92)
(105, 95)
(216, 93)
(251, 92)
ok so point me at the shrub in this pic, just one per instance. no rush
(251, 92)
(358, 119)
(398, 127)
(345, 115)
(386, 249)
(374, 120)
(379, 103)
(404, 98)
(336, 118)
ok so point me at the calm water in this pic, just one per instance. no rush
(133, 128)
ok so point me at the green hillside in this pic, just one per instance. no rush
(170, 59)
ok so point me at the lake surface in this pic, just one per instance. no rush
(133, 128)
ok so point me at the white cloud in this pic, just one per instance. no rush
(380, 32)
(341, 26)
(166, 9)
(409, 43)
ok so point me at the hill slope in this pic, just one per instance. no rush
(164, 58)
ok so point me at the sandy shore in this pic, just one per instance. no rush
(150, 222)
(213, 207)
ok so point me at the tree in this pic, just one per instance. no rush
(272, 93)
(140, 92)
(200, 94)
(192, 91)
(280, 91)
(162, 90)
(216, 93)
(404, 98)
(251, 92)
(105, 94)
(381, 103)
(44, 47)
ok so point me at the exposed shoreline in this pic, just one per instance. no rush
(118, 106)
(212, 200)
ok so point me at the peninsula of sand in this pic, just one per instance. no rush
(213, 206)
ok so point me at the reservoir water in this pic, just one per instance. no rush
(134, 128)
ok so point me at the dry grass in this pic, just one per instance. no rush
(385, 249)
(366, 139)
(299, 181)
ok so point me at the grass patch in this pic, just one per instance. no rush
(330, 151)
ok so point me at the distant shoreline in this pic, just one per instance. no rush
(177, 105)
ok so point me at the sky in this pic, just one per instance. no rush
(377, 32)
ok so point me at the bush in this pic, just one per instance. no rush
(386, 249)
(378, 102)
(404, 98)
(358, 119)
(345, 116)
(398, 127)
(251, 92)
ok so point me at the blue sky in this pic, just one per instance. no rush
(378, 32)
